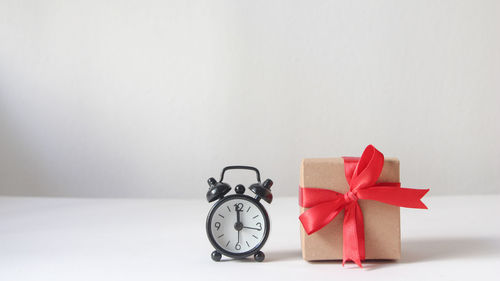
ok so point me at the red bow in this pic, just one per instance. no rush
(361, 174)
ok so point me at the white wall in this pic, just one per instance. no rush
(150, 98)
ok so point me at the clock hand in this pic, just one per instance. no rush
(251, 227)
(237, 214)
(238, 225)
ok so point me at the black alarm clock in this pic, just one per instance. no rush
(238, 225)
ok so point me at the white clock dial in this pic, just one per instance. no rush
(224, 225)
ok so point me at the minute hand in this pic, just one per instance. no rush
(237, 221)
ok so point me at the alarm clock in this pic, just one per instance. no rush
(238, 225)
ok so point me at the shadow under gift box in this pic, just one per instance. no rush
(381, 221)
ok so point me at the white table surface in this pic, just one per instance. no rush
(458, 238)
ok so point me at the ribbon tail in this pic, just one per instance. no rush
(353, 235)
(402, 197)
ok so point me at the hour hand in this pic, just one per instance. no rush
(252, 228)
(255, 228)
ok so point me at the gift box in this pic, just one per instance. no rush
(350, 207)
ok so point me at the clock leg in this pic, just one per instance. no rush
(259, 256)
(216, 256)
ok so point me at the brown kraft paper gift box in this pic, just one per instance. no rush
(381, 221)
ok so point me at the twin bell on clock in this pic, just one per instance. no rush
(238, 225)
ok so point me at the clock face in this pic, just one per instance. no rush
(238, 225)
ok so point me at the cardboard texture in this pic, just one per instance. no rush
(381, 221)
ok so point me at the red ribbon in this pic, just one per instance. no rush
(361, 174)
